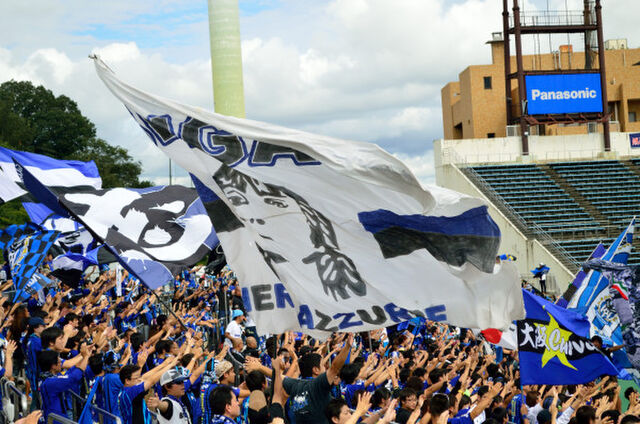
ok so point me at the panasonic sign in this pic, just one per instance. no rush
(563, 93)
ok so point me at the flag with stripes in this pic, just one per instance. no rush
(26, 254)
(59, 175)
(327, 234)
(592, 298)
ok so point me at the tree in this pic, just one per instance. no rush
(33, 119)
(57, 128)
(116, 166)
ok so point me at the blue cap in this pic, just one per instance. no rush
(35, 321)
(236, 313)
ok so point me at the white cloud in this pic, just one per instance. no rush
(421, 165)
(368, 70)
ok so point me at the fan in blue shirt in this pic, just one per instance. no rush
(54, 384)
(131, 404)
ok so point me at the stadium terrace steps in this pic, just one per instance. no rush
(575, 194)
(577, 204)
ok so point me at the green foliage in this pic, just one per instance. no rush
(12, 213)
(33, 119)
(56, 127)
(117, 168)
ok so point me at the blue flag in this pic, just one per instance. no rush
(580, 278)
(86, 416)
(592, 298)
(26, 254)
(554, 347)
(155, 232)
(13, 232)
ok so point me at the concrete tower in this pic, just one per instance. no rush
(226, 57)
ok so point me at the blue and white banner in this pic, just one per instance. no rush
(563, 93)
(25, 256)
(592, 298)
(580, 278)
(57, 174)
(332, 235)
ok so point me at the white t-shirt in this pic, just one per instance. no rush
(235, 330)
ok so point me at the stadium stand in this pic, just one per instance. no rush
(578, 204)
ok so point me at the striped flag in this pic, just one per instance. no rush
(59, 175)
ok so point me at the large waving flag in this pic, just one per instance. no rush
(26, 254)
(592, 298)
(328, 234)
(156, 231)
(59, 175)
(554, 348)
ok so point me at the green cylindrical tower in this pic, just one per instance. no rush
(226, 57)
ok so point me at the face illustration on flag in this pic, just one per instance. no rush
(332, 235)
(279, 207)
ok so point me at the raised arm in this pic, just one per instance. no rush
(337, 364)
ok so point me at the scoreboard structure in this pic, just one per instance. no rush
(564, 95)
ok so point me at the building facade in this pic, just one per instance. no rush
(475, 105)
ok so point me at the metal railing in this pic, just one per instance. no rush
(450, 156)
(58, 419)
(529, 229)
(14, 401)
(552, 18)
(103, 417)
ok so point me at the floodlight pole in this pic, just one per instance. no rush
(603, 79)
(522, 94)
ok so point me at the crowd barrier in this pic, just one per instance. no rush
(14, 401)
(103, 417)
(57, 419)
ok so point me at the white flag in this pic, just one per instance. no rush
(331, 235)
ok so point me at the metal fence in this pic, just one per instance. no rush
(14, 401)
(57, 419)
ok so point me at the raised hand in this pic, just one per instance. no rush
(364, 403)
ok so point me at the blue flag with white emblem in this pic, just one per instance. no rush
(554, 347)
(25, 256)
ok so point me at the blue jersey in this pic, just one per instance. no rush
(34, 347)
(53, 388)
(133, 408)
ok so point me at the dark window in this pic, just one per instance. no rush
(487, 83)
(491, 135)
(632, 117)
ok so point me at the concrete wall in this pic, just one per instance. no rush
(541, 148)
(529, 252)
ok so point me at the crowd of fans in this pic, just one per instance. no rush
(191, 354)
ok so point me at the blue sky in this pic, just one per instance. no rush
(368, 70)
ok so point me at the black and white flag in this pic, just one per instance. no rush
(156, 231)
(331, 235)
